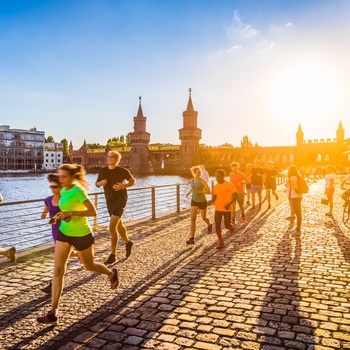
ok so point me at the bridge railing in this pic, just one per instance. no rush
(21, 224)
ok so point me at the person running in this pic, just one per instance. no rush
(329, 188)
(293, 195)
(248, 174)
(257, 182)
(112, 178)
(205, 174)
(74, 231)
(9, 253)
(199, 188)
(225, 194)
(238, 179)
(270, 182)
(51, 208)
(346, 195)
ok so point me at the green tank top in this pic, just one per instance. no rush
(198, 186)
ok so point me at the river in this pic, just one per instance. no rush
(35, 186)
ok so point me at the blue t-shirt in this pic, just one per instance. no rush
(198, 186)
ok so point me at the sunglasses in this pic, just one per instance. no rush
(53, 186)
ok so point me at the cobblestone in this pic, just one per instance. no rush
(267, 289)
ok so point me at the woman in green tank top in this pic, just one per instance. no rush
(199, 188)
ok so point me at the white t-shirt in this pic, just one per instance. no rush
(205, 175)
(291, 192)
(329, 177)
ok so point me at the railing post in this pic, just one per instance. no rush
(95, 217)
(177, 198)
(153, 196)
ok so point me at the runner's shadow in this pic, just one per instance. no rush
(342, 239)
(281, 314)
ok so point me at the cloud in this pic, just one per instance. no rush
(240, 29)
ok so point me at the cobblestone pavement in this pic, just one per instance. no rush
(267, 289)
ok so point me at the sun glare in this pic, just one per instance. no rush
(308, 92)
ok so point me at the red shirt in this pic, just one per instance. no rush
(238, 179)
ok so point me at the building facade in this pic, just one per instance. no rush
(53, 155)
(21, 149)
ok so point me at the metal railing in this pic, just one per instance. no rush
(21, 224)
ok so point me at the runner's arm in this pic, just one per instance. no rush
(90, 211)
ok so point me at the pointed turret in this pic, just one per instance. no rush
(139, 112)
(300, 136)
(190, 104)
(340, 133)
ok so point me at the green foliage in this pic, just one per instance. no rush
(50, 139)
(65, 146)
(95, 146)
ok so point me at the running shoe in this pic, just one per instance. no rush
(290, 218)
(253, 207)
(128, 248)
(276, 196)
(210, 228)
(329, 214)
(50, 317)
(248, 203)
(269, 206)
(190, 241)
(111, 259)
(113, 278)
(12, 257)
(231, 229)
(48, 288)
(243, 220)
(220, 245)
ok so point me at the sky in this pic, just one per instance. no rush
(76, 68)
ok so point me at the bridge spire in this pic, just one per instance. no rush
(190, 104)
(140, 112)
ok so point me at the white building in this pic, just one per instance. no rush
(53, 155)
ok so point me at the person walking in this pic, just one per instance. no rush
(74, 231)
(199, 188)
(329, 188)
(270, 182)
(248, 174)
(293, 195)
(257, 182)
(115, 179)
(9, 253)
(224, 194)
(238, 179)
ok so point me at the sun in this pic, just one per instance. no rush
(310, 92)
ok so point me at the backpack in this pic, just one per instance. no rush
(302, 186)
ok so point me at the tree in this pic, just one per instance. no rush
(50, 139)
(65, 146)
(127, 139)
(122, 138)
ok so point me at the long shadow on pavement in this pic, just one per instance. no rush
(153, 300)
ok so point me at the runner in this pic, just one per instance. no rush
(74, 231)
(9, 253)
(270, 182)
(199, 188)
(329, 189)
(224, 195)
(51, 207)
(112, 178)
(345, 181)
(257, 182)
(248, 174)
(238, 179)
(205, 174)
(293, 195)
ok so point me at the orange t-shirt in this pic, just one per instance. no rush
(223, 194)
(237, 179)
(248, 174)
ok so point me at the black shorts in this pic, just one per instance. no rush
(270, 186)
(115, 208)
(79, 243)
(200, 205)
(248, 186)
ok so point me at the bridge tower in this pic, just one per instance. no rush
(300, 136)
(340, 134)
(189, 135)
(139, 141)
